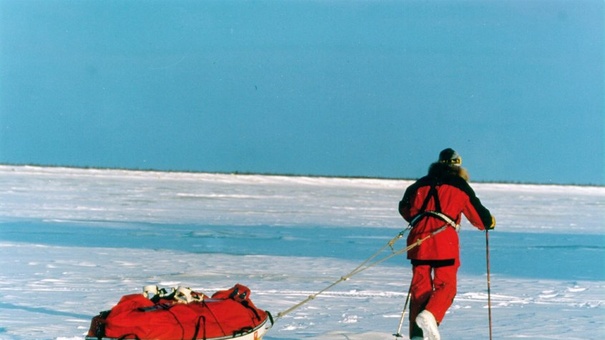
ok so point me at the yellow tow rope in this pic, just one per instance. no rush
(366, 264)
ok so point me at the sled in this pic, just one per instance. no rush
(183, 314)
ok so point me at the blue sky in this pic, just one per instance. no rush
(349, 88)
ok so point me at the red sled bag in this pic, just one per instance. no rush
(229, 314)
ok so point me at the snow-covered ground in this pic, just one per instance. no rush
(73, 241)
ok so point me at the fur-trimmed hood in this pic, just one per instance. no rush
(442, 170)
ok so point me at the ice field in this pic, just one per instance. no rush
(73, 241)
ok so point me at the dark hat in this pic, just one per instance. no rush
(449, 156)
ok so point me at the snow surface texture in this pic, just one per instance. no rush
(74, 241)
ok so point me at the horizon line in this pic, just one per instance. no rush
(250, 173)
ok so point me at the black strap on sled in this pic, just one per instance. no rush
(197, 327)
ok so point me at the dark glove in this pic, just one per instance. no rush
(493, 225)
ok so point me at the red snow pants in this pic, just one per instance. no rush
(433, 288)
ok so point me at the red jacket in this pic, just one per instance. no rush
(454, 197)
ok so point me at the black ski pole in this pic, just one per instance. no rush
(405, 308)
(489, 295)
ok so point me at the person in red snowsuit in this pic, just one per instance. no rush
(433, 206)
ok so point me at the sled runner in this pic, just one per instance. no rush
(182, 314)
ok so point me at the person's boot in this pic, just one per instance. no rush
(426, 321)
